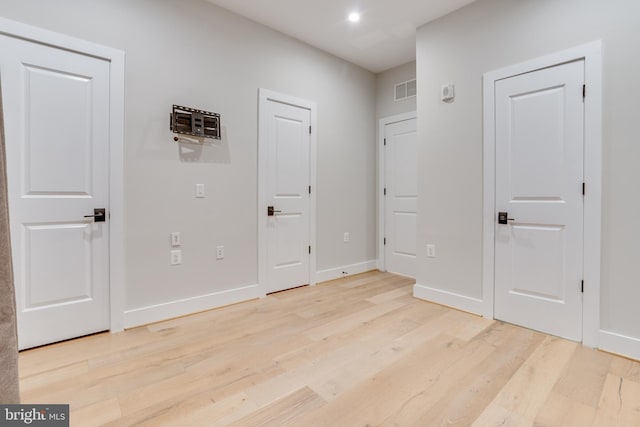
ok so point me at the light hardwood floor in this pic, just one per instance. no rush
(359, 351)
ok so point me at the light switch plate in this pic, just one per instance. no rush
(200, 191)
(175, 239)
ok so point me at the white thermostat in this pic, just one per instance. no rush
(448, 93)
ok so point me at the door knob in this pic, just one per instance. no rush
(99, 215)
(503, 218)
(271, 211)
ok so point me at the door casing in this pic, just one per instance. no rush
(116, 148)
(382, 180)
(591, 53)
(265, 96)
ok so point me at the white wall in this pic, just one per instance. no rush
(189, 52)
(385, 91)
(490, 34)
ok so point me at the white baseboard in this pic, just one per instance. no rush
(347, 270)
(620, 344)
(450, 299)
(169, 310)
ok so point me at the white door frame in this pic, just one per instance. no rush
(265, 96)
(381, 180)
(116, 148)
(591, 53)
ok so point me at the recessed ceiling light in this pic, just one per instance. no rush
(354, 17)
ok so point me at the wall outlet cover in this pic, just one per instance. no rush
(176, 257)
(431, 251)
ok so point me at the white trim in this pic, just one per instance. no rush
(117, 249)
(593, 197)
(347, 270)
(187, 306)
(116, 148)
(381, 179)
(620, 344)
(449, 299)
(265, 95)
(592, 55)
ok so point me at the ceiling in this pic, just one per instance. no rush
(382, 39)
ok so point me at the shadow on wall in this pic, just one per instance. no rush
(157, 145)
(194, 149)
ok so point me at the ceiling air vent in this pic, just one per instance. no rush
(405, 90)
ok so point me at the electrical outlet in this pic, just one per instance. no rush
(346, 237)
(431, 251)
(200, 191)
(175, 239)
(176, 257)
(219, 252)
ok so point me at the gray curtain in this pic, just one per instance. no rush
(9, 391)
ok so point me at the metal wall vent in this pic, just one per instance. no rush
(405, 90)
(189, 121)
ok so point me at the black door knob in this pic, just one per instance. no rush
(503, 218)
(271, 211)
(99, 215)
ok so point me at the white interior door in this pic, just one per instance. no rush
(56, 118)
(401, 187)
(288, 194)
(539, 175)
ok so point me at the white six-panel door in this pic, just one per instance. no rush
(401, 184)
(539, 175)
(56, 118)
(287, 186)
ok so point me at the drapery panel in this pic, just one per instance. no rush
(9, 389)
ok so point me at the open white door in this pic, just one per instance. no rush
(286, 136)
(56, 106)
(539, 176)
(401, 196)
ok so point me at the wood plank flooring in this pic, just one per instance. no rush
(359, 351)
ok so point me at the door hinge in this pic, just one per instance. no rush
(385, 191)
(584, 91)
(309, 189)
(309, 248)
(384, 242)
(584, 188)
(309, 130)
(385, 142)
(582, 287)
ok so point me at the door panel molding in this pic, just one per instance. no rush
(382, 123)
(116, 60)
(265, 96)
(591, 53)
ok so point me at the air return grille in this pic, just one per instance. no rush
(405, 90)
